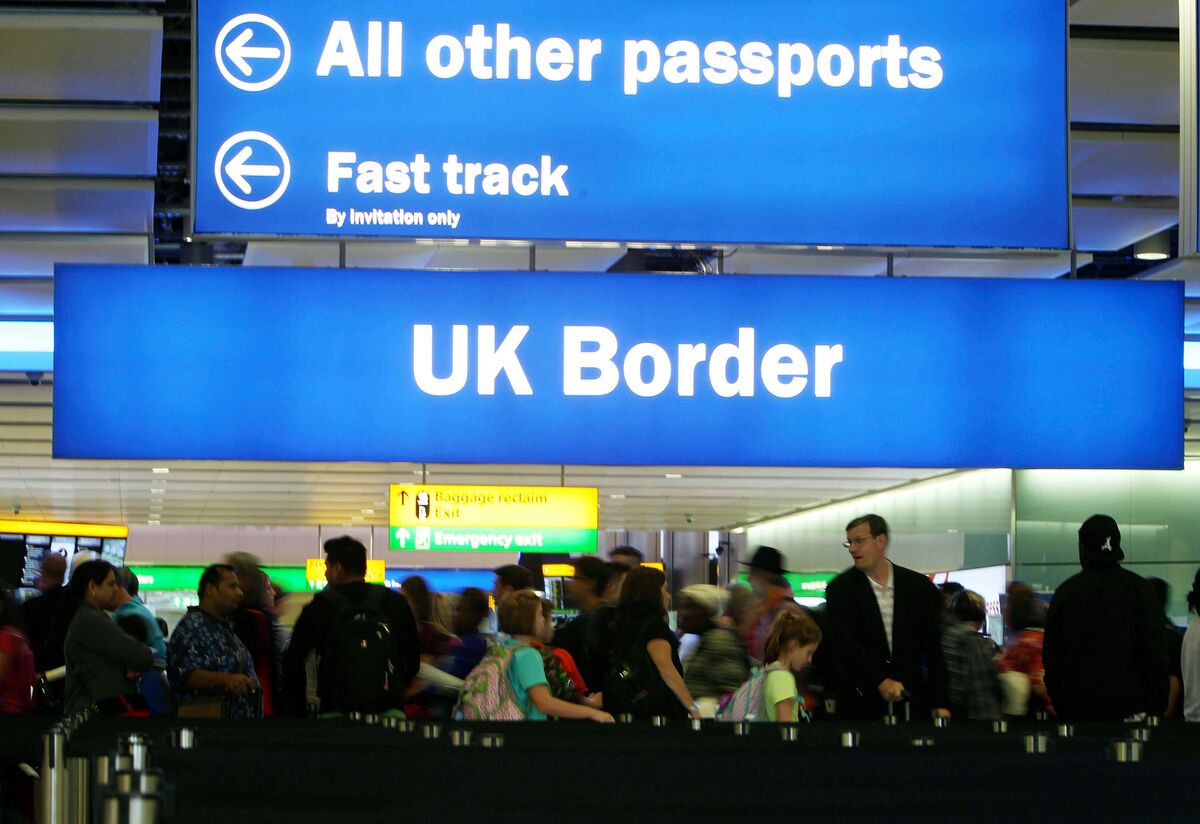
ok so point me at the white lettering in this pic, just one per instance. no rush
(827, 358)
(894, 53)
(375, 48)
(555, 59)
(721, 57)
(642, 64)
(691, 355)
(339, 163)
(427, 382)
(784, 370)
(759, 69)
(683, 62)
(660, 369)
(506, 47)
(742, 355)
(454, 54)
(845, 59)
(340, 51)
(791, 74)
(493, 361)
(926, 71)
(599, 359)
(395, 48)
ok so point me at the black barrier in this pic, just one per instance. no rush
(314, 770)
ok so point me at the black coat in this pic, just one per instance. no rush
(859, 648)
(1105, 651)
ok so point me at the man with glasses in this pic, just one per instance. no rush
(885, 627)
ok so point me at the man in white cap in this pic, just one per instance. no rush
(1104, 651)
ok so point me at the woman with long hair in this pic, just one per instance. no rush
(645, 677)
(103, 662)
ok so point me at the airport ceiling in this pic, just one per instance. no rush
(77, 75)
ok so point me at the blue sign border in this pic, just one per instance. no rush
(1066, 243)
(318, 365)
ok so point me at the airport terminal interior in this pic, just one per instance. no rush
(481, 294)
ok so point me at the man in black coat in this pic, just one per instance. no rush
(885, 626)
(1105, 651)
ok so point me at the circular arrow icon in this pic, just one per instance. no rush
(253, 51)
(259, 169)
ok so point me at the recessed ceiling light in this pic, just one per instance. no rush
(617, 497)
(161, 470)
(420, 472)
(671, 476)
(158, 491)
(356, 517)
(156, 500)
(381, 503)
(153, 523)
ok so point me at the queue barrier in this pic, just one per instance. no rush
(120, 771)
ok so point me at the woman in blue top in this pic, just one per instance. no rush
(521, 618)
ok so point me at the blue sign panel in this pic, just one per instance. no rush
(303, 364)
(923, 123)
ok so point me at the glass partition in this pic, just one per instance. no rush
(1158, 512)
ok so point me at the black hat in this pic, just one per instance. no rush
(1100, 540)
(767, 559)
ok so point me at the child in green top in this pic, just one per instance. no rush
(790, 646)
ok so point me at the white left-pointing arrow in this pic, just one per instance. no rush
(238, 170)
(239, 53)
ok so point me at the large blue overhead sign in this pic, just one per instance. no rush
(922, 123)
(301, 364)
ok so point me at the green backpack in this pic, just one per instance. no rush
(487, 693)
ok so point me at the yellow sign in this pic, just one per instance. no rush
(496, 507)
(53, 528)
(558, 570)
(568, 570)
(314, 571)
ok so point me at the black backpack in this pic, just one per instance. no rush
(360, 654)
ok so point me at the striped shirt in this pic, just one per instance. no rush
(885, 596)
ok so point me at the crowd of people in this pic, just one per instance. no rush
(885, 641)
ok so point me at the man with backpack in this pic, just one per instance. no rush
(364, 637)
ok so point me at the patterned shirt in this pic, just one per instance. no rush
(974, 678)
(203, 642)
(885, 595)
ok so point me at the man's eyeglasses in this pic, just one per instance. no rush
(857, 541)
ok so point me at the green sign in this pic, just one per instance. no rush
(187, 578)
(804, 584)
(493, 539)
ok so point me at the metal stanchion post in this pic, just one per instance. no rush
(78, 804)
(53, 746)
